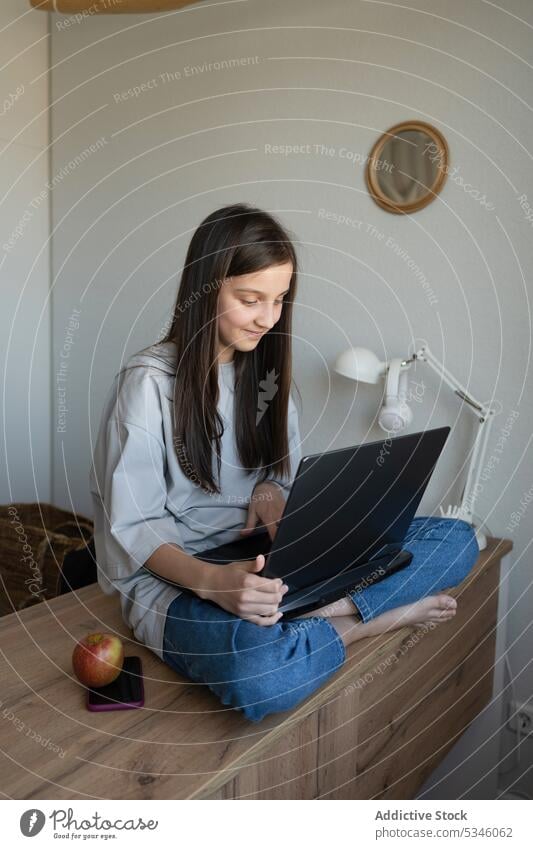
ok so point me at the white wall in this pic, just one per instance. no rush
(335, 74)
(25, 336)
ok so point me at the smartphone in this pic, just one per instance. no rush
(124, 693)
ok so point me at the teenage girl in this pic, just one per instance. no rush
(198, 443)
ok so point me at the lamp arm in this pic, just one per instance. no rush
(470, 491)
(485, 417)
(426, 355)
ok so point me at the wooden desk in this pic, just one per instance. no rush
(376, 729)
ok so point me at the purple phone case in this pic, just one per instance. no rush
(117, 705)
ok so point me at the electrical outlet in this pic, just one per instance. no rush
(521, 715)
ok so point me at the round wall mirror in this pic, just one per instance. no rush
(407, 167)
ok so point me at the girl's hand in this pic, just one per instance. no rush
(236, 588)
(267, 504)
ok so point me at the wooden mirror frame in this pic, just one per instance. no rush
(109, 7)
(370, 172)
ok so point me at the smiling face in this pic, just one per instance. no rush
(249, 306)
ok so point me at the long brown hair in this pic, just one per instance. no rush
(234, 240)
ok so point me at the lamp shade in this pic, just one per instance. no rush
(360, 364)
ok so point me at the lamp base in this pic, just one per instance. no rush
(481, 538)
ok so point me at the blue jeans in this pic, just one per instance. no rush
(261, 669)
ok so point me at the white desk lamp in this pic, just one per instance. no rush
(395, 414)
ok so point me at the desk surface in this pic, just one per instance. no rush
(182, 744)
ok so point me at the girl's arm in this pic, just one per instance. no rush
(171, 562)
(235, 587)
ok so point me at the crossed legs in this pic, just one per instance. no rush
(444, 551)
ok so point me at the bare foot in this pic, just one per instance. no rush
(434, 608)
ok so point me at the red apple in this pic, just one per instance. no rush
(97, 659)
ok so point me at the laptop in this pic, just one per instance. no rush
(344, 520)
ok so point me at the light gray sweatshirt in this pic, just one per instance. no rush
(142, 498)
